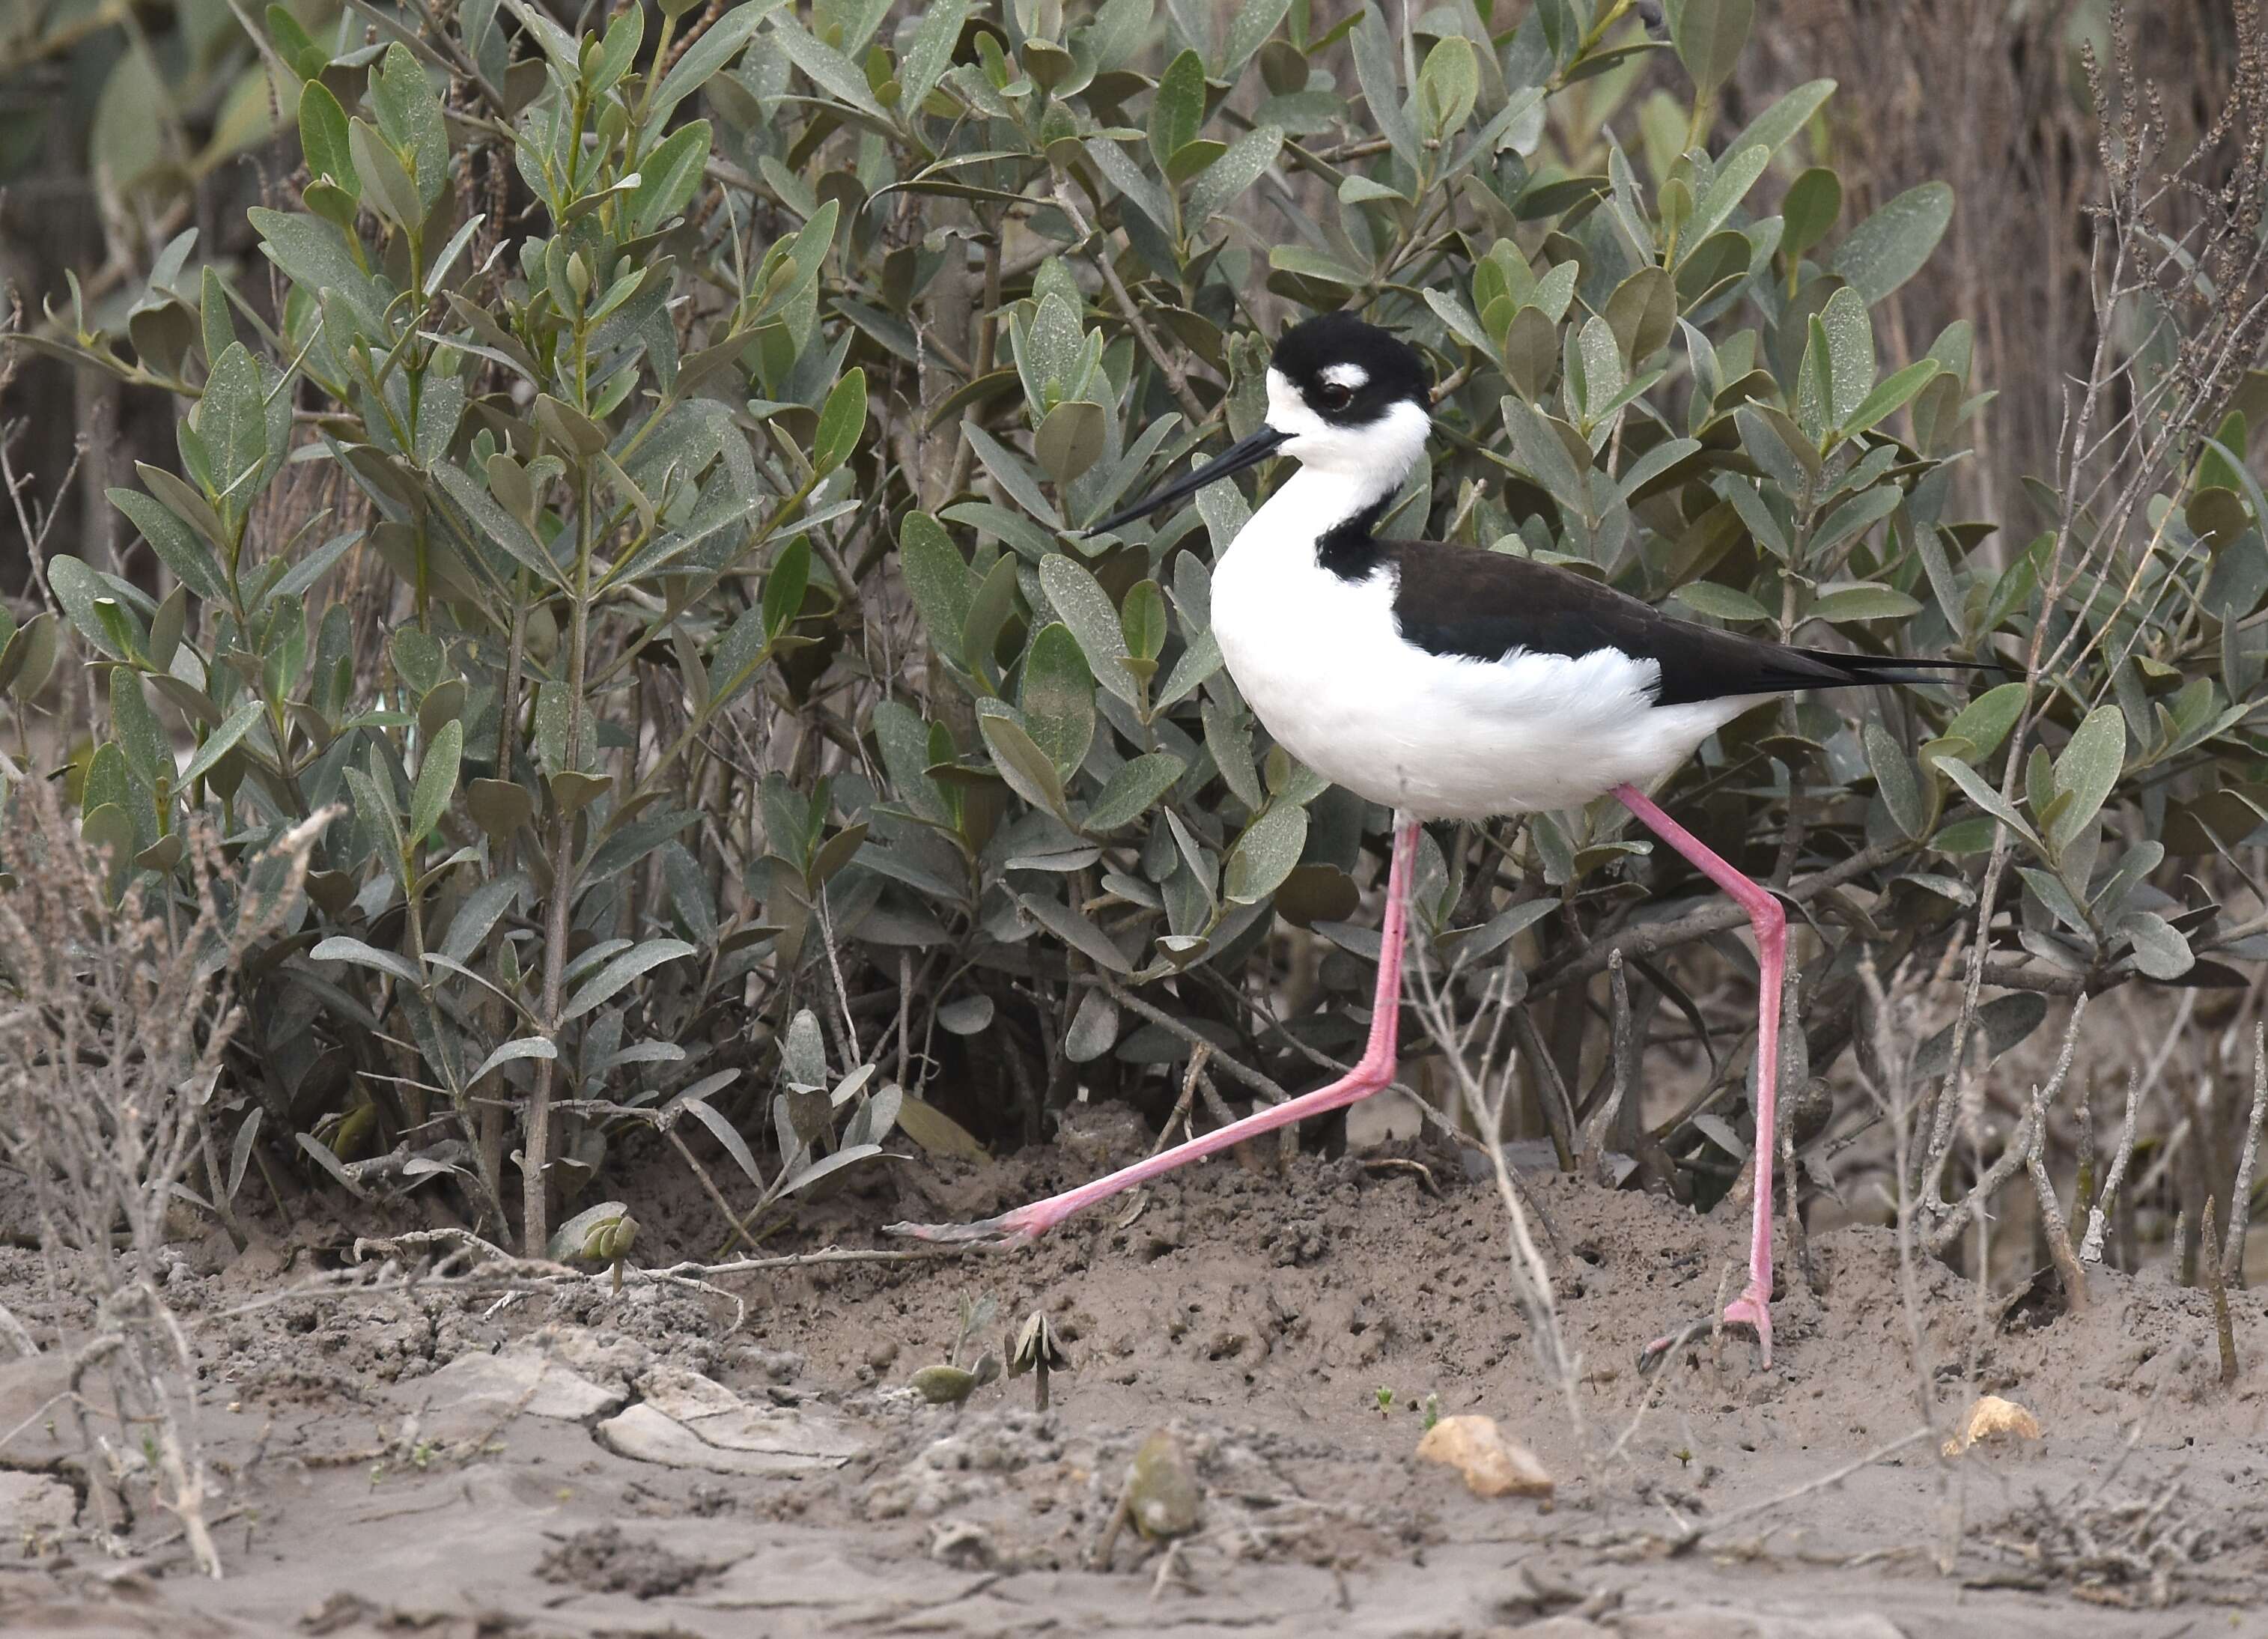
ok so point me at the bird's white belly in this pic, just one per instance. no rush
(1321, 664)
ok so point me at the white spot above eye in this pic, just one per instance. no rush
(1351, 377)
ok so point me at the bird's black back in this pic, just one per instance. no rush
(1484, 606)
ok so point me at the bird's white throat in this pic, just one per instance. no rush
(1355, 467)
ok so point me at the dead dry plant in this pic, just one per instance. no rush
(1485, 1068)
(117, 1004)
(2179, 286)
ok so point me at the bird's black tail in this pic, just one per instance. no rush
(1866, 669)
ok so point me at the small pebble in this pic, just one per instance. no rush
(1491, 1464)
(1992, 1418)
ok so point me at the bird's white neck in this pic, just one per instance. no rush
(1345, 472)
(1310, 503)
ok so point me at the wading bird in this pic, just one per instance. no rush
(1448, 682)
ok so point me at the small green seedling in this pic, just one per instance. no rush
(1039, 1351)
(949, 1385)
(1385, 1400)
(602, 1234)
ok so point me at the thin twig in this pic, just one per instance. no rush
(2240, 1194)
(2098, 1216)
(1168, 366)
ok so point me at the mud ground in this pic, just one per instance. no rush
(582, 1462)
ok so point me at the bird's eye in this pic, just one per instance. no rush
(1333, 395)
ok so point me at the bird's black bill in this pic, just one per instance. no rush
(1248, 451)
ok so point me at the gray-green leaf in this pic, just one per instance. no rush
(1889, 247)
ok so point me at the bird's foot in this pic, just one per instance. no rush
(1750, 1311)
(1009, 1229)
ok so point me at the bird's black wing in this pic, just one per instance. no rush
(1461, 600)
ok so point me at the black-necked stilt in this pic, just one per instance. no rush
(1453, 683)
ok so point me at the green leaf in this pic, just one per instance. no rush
(1974, 786)
(1094, 1028)
(300, 53)
(1708, 36)
(1142, 620)
(1072, 439)
(528, 1047)
(1850, 353)
(374, 807)
(1772, 129)
(231, 419)
(1889, 247)
(1727, 186)
(1029, 771)
(1448, 84)
(2085, 772)
(1244, 163)
(1128, 793)
(930, 52)
(78, 589)
(29, 659)
(1861, 513)
(1265, 853)
(988, 614)
(1195, 665)
(136, 728)
(323, 137)
(1057, 698)
(1603, 368)
(841, 421)
(437, 779)
(939, 579)
(1177, 111)
(1865, 600)
(603, 69)
(1807, 214)
(2002, 1023)
(1890, 397)
(499, 807)
(1008, 469)
(2159, 949)
(1230, 742)
(313, 256)
(1985, 722)
(719, 46)
(1763, 526)
(1894, 777)
(1249, 28)
(1194, 159)
(1313, 264)
(630, 965)
(1132, 180)
(1080, 598)
(492, 523)
(409, 118)
(668, 176)
(221, 741)
(1076, 930)
(387, 186)
(340, 948)
(174, 542)
(1374, 67)
(1722, 602)
(785, 587)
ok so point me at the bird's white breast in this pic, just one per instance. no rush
(1320, 660)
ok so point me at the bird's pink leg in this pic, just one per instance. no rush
(1753, 1307)
(1375, 1070)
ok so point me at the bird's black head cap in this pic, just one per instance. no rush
(1351, 372)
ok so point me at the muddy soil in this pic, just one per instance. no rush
(589, 1462)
